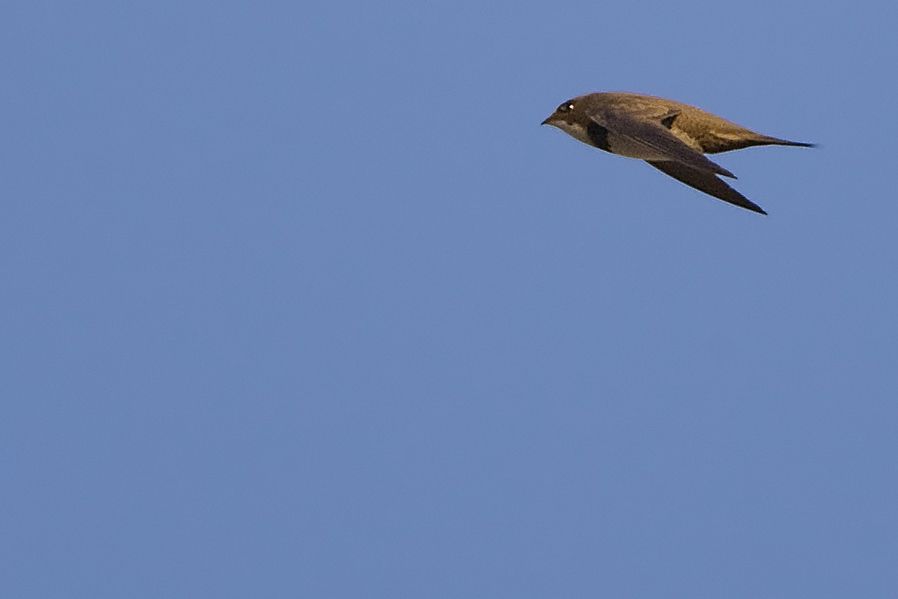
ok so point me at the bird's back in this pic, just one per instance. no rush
(697, 127)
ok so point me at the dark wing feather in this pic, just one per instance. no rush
(651, 134)
(706, 182)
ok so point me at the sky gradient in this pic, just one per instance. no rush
(299, 300)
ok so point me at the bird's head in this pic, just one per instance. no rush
(571, 117)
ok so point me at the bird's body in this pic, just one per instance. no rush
(671, 136)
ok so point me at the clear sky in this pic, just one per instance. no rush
(299, 300)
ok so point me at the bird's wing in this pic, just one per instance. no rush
(650, 131)
(706, 182)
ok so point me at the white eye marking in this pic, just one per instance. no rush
(566, 107)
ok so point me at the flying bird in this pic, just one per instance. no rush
(671, 136)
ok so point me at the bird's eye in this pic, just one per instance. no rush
(566, 107)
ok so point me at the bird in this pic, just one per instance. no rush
(671, 136)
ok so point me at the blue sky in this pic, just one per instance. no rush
(299, 300)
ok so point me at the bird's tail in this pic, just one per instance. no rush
(766, 140)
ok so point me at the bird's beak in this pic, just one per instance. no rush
(546, 122)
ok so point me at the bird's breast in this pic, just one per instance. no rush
(598, 136)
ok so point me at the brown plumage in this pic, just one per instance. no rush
(671, 136)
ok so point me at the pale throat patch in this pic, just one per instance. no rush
(575, 130)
